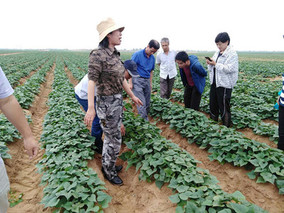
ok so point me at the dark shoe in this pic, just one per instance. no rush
(118, 168)
(99, 151)
(116, 180)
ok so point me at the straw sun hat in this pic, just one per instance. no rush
(107, 26)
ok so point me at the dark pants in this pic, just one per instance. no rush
(281, 128)
(96, 130)
(166, 87)
(220, 104)
(191, 97)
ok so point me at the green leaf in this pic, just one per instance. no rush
(159, 184)
(225, 211)
(52, 202)
(182, 188)
(268, 177)
(238, 196)
(179, 209)
(101, 196)
(174, 198)
(239, 208)
(191, 207)
(251, 175)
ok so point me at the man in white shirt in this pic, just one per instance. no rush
(168, 71)
(13, 111)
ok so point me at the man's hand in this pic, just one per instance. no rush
(31, 146)
(89, 117)
(137, 101)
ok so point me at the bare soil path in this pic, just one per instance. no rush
(21, 170)
(133, 196)
(231, 178)
(10, 53)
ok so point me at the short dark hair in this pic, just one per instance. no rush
(182, 56)
(154, 44)
(223, 37)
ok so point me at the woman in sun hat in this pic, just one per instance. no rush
(106, 73)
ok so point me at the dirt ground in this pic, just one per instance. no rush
(134, 196)
(9, 54)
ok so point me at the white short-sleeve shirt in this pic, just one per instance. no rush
(81, 89)
(167, 64)
(5, 87)
(5, 91)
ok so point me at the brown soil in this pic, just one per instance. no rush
(134, 196)
(9, 53)
(271, 122)
(248, 133)
(278, 78)
(21, 170)
(231, 178)
(23, 80)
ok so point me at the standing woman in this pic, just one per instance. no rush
(106, 72)
(223, 74)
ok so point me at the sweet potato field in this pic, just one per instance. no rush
(180, 161)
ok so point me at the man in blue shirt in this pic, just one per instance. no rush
(142, 85)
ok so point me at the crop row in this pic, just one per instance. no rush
(224, 144)
(241, 118)
(158, 159)
(25, 95)
(70, 186)
(19, 66)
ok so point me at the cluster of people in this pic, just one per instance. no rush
(100, 93)
(105, 76)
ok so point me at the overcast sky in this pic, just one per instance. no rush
(253, 25)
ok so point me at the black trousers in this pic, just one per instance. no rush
(220, 104)
(281, 128)
(191, 97)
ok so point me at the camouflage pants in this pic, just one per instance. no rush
(110, 110)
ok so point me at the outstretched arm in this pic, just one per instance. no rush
(127, 89)
(13, 111)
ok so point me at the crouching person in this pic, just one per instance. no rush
(193, 76)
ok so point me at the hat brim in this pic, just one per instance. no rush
(109, 30)
(132, 74)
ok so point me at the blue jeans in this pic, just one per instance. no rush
(96, 130)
